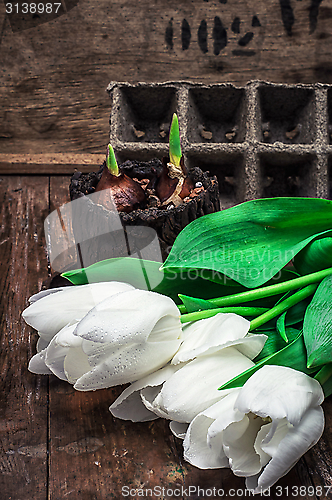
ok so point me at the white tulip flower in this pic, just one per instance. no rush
(133, 402)
(195, 386)
(125, 337)
(50, 310)
(207, 336)
(221, 349)
(260, 430)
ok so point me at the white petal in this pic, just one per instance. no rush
(41, 344)
(55, 358)
(223, 413)
(76, 364)
(133, 409)
(148, 396)
(279, 392)
(249, 346)
(195, 386)
(119, 364)
(43, 293)
(179, 430)
(238, 441)
(129, 405)
(226, 415)
(298, 441)
(267, 445)
(198, 449)
(261, 436)
(58, 349)
(66, 337)
(37, 364)
(219, 330)
(49, 312)
(131, 317)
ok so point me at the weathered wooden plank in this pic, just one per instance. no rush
(49, 164)
(319, 459)
(54, 76)
(23, 406)
(63, 253)
(94, 456)
(59, 191)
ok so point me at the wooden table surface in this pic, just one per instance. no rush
(57, 443)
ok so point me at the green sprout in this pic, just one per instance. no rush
(111, 162)
(174, 142)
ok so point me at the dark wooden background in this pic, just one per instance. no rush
(54, 117)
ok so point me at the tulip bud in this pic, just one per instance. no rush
(117, 188)
(174, 184)
(123, 338)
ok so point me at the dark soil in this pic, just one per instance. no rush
(166, 221)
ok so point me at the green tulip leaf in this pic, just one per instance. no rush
(146, 274)
(219, 278)
(292, 356)
(253, 241)
(324, 377)
(317, 325)
(275, 342)
(317, 255)
(192, 304)
(222, 279)
(174, 142)
(111, 162)
(281, 326)
(127, 269)
(294, 315)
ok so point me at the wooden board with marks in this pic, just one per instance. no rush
(55, 67)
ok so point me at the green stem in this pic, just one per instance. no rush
(268, 291)
(208, 313)
(283, 306)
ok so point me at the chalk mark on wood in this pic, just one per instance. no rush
(246, 39)
(219, 36)
(185, 34)
(169, 34)
(287, 15)
(236, 25)
(202, 37)
(241, 52)
(313, 14)
(255, 22)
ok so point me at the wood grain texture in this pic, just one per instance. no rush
(23, 407)
(53, 77)
(49, 164)
(53, 99)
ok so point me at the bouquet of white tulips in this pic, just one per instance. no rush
(240, 366)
